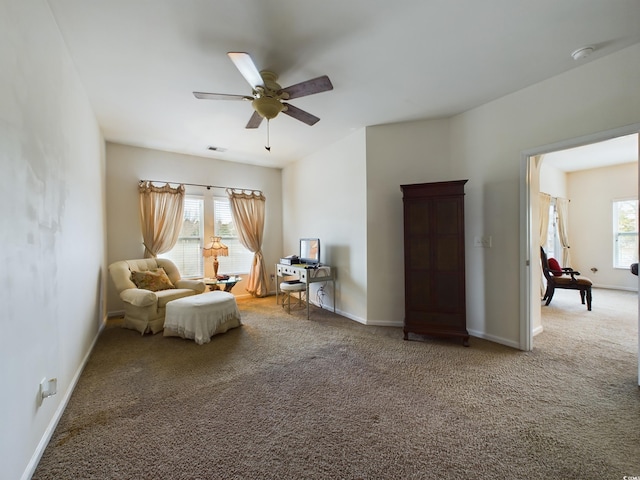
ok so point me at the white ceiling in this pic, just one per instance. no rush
(596, 155)
(140, 61)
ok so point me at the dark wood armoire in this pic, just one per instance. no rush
(434, 272)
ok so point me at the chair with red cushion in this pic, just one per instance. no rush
(567, 278)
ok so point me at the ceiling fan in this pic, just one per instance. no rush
(268, 97)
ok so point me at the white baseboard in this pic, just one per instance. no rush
(348, 315)
(615, 287)
(495, 339)
(385, 323)
(46, 437)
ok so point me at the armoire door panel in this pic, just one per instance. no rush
(417, 254)
(447, 214)
(417, 220)
(447, 253)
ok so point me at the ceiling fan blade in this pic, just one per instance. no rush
(220, 96)
(315, 85)
(247, 68)
(299, 114)
(254, 121)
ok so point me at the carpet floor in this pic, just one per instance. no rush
(283, 397)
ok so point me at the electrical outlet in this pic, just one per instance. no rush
(43, 388)
(48, 387)
(53, 386)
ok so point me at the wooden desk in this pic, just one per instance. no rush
(307, 276)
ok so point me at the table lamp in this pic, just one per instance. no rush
(214, 249)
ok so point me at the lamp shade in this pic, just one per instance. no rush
(215, 248)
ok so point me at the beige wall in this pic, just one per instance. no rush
(397, 154)
(324, 195)
(127, 165)
(553, 181)
(53, 231)
(590, 222)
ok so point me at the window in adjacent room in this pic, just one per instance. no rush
(187, 252)
(552, 247)
(625, 232)
(239, 259)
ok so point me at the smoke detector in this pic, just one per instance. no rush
(582, 52)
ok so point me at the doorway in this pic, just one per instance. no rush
(530, 182)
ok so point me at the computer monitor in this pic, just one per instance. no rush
(310, 251)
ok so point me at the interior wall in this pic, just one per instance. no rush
(324, 195)
(53, 229)
(127, 165)
(488, 143)
(553, 181)
(592, 193)
(397, 154)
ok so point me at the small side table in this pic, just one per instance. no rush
(225, 285)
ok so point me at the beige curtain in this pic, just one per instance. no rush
(248, 208)
(544, 202)
(562, 207)
(161, 212)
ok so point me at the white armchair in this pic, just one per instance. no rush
(144, 309)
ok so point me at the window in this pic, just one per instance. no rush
(553, 240)
(187, 252)
(200, 213)
(625, 233)
(239, 259)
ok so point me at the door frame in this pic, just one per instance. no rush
(526, 228)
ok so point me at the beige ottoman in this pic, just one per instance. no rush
(200, 317)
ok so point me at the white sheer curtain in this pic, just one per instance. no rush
(248, 210)
(161, 211)
(544, 202)
(562, 207)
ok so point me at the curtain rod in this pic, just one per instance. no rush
(208, 187)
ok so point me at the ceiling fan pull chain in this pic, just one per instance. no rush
(268, 145)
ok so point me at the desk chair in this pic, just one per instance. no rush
(288, 289)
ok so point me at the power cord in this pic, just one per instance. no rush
(320, 295)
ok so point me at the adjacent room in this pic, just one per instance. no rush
(591, 194)
(325, 116)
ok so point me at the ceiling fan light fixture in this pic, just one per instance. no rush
(268, 96)
(267, 107)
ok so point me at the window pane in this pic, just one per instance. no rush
(627, 216)
(625, 233)
(627, 249)
(239, 259)
(187, 252)
(550, 246)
